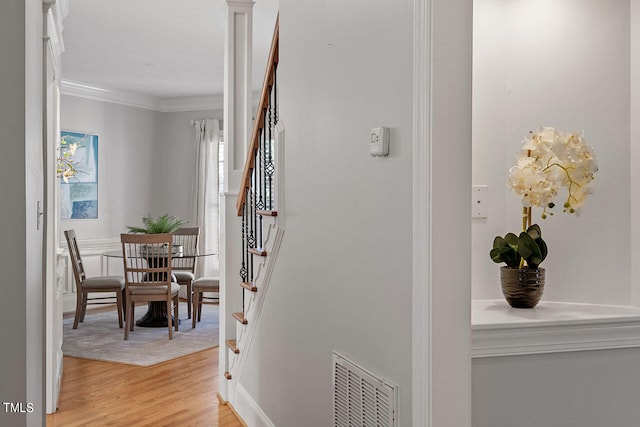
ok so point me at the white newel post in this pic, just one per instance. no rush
(237, 128)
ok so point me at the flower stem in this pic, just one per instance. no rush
(526, 218)
(526, 223)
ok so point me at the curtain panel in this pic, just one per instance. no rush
(205, 209)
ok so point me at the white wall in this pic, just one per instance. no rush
(177, 150)
(343, 276)
(127, 139)
(21, 171)
(567, 65)
(588, 389)
(146, 162)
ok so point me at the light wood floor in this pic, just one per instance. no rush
(180, 392)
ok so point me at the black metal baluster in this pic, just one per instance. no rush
(259, 202)
(269, 169)
(243, 268)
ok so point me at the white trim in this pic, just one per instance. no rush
(552, 327)
(279, 132)
(634, 157)
(55, 45)
(164, 105)
(251, 412)
(96, 93)
(421, 326)
(93, 246)
(191, 103)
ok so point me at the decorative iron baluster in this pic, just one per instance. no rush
(245, 253)
(269, 168)
(259, 203)
(243, 268)
(259, 162)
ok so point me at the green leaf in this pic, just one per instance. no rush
(529, 250)
(534, 231)
(160, 225)
(543, 249)
(505, 254)
(511, 239)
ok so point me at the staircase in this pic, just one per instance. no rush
(260, 201)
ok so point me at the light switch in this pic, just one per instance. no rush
(379, 142)
(479, 201)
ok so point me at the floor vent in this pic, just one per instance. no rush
(360, 398)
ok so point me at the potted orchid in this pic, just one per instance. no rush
(549, 161)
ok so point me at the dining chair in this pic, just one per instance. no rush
(184, 268)
(147, 273)
(200, 286)
(92, 285)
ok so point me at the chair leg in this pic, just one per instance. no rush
(119, 304)
(84, 306)
(131, 306)
(169, 322)
(128, 320)
(189, 298)
(124, 300)
(200, 299)
(195, 308)
(76, 318)
(175, 311)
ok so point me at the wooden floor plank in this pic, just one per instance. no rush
(180, 392)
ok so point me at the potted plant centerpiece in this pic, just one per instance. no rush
(549, 160)
(162, 224)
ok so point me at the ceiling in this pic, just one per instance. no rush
(157, 48)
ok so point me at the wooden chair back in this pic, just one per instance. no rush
(147, 260)
(188, 238)
(76, 259)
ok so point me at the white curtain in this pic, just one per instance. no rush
(205, 212)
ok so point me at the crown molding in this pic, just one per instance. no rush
(82, 90)
(164, 105)
(191, 103)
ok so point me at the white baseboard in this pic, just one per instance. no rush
(249, 410)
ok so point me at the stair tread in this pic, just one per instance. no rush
(240, 318)
(267, 213)
(249, 286)
(259, 252)
(233, 346)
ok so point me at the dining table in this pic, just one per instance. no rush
(156, 315)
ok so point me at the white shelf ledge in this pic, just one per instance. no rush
(551, 327)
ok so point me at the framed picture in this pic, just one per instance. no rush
(79, 193)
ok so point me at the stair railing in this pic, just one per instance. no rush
(257, 192)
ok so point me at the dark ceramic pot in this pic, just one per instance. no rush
(522, 288)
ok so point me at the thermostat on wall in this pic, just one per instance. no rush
(379, 144)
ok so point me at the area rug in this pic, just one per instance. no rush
(100, 338)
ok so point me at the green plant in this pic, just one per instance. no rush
(516, 250)
(160, 225)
